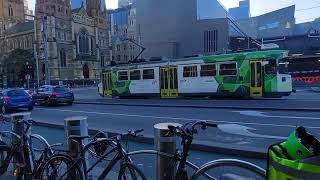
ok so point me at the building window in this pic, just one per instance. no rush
(135, 75)
(63, 58)
(228, 69)
(118, 57)
(148, 74)
(59, 35)
(210, 41)
(92, 45)
(190, 71)
(208, 70)
(123, 75)
(10, 10)
(26, 44)
(102, 60)
(84, 42)
(118, 47)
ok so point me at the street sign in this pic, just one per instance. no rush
(28, 77)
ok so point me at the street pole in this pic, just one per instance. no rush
(45, 41)
(35, 53)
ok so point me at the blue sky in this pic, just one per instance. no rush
(307, 10)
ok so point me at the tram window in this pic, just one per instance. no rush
(271, 68)
(135, 75)
(123, 75)
(190, 71)
(228, 69)
(208, 70)
(283, 67)
(148, 74)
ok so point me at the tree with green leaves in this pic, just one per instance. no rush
(14, 67)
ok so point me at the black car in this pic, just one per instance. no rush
(51, 95)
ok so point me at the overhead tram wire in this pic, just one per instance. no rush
(238, 29)
(306, 9)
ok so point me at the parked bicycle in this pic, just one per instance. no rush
(19, 158)
(60, 166)
(179, 159)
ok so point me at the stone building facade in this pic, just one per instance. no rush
(77, 40)
(11, 13)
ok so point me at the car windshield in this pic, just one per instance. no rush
(13, 93)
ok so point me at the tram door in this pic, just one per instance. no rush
(256, 80)
(168, 81)
(107, 84)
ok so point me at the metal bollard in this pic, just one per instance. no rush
(76, 125)
(165, 142)
(18, 127)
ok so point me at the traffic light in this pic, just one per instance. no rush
(29, 68)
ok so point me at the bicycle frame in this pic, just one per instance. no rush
(26, 142)
(121, 155)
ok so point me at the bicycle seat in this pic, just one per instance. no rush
(78, 138)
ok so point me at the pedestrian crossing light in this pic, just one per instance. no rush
(29, 68)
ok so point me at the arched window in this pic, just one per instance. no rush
(29, 43)
(10, 10)
(16, 44)
(102, 60)
(63, 58)
(84, 42)
(86, 71)
(21, 43)
(26, 44)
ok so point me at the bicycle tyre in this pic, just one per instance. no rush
(75, 169)
(202, 171)
(135, 172)
(4, 152)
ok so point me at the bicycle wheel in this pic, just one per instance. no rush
(129, 171)
(238, 169)
(61, 167)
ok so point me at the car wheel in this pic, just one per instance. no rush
(30, 108)
(48, 101)
(70, 103)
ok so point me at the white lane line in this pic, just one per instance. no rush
(263, 114)
(175, 118)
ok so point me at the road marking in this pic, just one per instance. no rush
(175, 118)
(262, 114)
(244, 131)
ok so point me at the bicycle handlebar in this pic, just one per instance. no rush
(185, 131)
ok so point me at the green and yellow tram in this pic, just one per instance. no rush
(246, 74)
